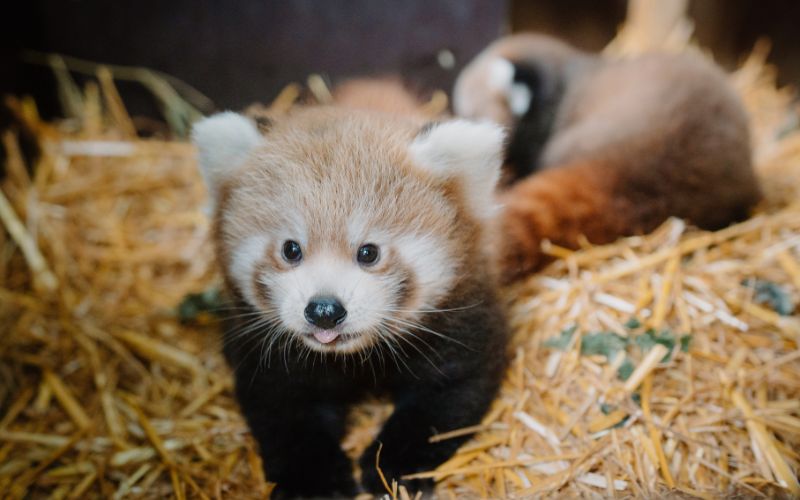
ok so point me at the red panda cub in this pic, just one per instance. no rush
(352, 244)
(604, 148)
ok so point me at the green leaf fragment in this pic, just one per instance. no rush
(650, 338)
(562, 341)
(686, 340)
(633, 323)
(772, 295)
(208, 301)
(607, 344)
(625, 369)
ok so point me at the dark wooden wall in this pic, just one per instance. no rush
(241, 51)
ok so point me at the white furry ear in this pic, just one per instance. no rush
(223, 140)
(468, 152)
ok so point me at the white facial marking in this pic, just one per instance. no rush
(434, 270)
(243, 260)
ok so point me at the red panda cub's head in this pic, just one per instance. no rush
(341, 229)
(512, 77)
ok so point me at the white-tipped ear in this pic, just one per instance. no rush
(470, 153)
(223, 140)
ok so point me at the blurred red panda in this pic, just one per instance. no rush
(603, 147)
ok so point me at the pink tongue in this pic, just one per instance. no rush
(326, 336)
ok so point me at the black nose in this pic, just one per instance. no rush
(325, 312)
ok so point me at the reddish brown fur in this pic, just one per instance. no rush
(554, 205)
(634, 142)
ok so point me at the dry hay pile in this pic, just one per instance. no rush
(662, 363)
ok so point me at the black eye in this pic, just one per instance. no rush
(291, 251)
(367, 254)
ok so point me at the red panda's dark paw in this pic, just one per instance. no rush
(315, 484)
(311, 472)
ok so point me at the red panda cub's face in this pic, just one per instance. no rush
(341, 229)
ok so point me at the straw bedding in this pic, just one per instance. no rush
(661, 364)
